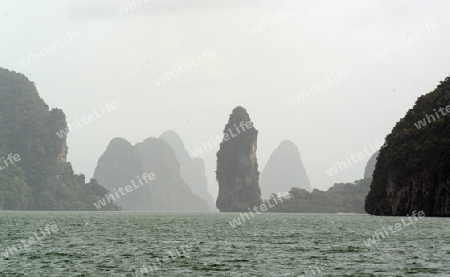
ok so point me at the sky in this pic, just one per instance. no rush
(334, 77)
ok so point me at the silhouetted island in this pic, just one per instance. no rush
(151, 171)
(192, 170)
(283, 171)
(237, 167)
(412, 171)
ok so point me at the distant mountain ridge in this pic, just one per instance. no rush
(284, 170)
(370, 167)
(192, 170)
(121, 163)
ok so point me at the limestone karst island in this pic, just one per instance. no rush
(410, 172)
(232, 138)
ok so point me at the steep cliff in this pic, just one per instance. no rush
(123, 164)
(237, 167)
(413, 171)
(36, 175)
(283, 171)
(192, 170)
(370, 166)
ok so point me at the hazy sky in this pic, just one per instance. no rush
(86, 55)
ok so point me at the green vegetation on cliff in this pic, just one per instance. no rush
(340, 198)
(413, 170)
(40, 178)
(237, 167)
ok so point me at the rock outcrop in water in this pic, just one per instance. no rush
(34, 174)
(237, 166)
(370, 166)
(192, 170)
(283, 171)
(122, 164)
(413, 170)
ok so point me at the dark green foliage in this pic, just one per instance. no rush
(342, 197)
(15, 194)
(41, 180)
(415, 160)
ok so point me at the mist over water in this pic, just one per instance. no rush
(224, 138)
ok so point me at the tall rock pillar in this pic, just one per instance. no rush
(237, 167)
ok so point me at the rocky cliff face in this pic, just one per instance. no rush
(39, 178)
(370, 166)
(237, 167)
(413, 171)
(123, 164)
(192, 170)
(283, 171)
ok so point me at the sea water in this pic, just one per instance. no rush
(206, 244)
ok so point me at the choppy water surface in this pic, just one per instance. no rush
(189, 244)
